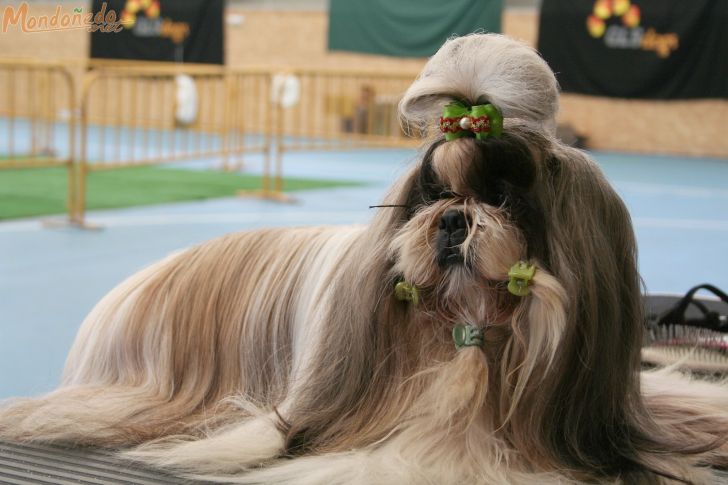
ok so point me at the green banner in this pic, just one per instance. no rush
(407, 28)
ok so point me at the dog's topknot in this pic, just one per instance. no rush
(484, 67)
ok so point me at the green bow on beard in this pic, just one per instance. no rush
(483, 121)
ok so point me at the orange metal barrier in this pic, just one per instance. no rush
(340, 109)
(251, 92)
(134, 115)
(128, 116)
(336, 109)
(142, 113)
(37, 118)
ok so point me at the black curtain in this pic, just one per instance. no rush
(162, 30)
(659, 49)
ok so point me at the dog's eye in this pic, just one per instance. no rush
(448, 194)
(427, 195)
(427, 190)
(438, 192)
(430, 193)
(495, 195)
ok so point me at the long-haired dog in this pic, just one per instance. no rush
(325, 355)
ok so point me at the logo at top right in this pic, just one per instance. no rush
(617, 22)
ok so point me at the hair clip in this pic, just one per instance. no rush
(520, 276)
(483, 120)
(467, 336)
(404, 291)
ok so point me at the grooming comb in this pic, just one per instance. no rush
(688, 331)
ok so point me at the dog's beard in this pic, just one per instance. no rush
(463, 274)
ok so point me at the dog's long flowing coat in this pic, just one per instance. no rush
(283, 356)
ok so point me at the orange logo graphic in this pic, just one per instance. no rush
(606, 9)
(133, 7)
(143, 18)
(630, 34)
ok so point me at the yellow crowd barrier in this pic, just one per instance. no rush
(335, 110)
(252, 92)
(37, 118)
(136, 114)
(141, 113)
(338, 109)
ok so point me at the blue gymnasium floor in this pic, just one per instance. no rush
(51, 278)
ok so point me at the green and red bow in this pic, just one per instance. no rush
(484, 120)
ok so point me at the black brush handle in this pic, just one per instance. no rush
(711, 320)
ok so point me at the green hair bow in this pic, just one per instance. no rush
(483, 120)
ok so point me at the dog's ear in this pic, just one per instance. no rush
(350, 398)
(594, 255)
(587, 399)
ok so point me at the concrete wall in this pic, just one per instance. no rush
(268, 37)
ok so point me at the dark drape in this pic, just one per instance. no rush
(659, 49)
(162, 30)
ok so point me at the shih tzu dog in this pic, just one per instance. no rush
(485, 328)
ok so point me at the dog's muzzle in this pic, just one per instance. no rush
(452, 231)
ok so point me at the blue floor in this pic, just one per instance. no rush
(50, 278)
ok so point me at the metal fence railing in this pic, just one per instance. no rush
(148, 115)
(339, 109)
(138, 113)
(37, 118)
(336, 110)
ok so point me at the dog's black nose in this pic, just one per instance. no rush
(452, 221)
(453, 229)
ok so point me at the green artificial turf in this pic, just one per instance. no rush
(43, 191)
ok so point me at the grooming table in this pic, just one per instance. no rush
(51, 465)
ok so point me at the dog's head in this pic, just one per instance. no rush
(562, 360)
(469, 211)
(472, 208)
